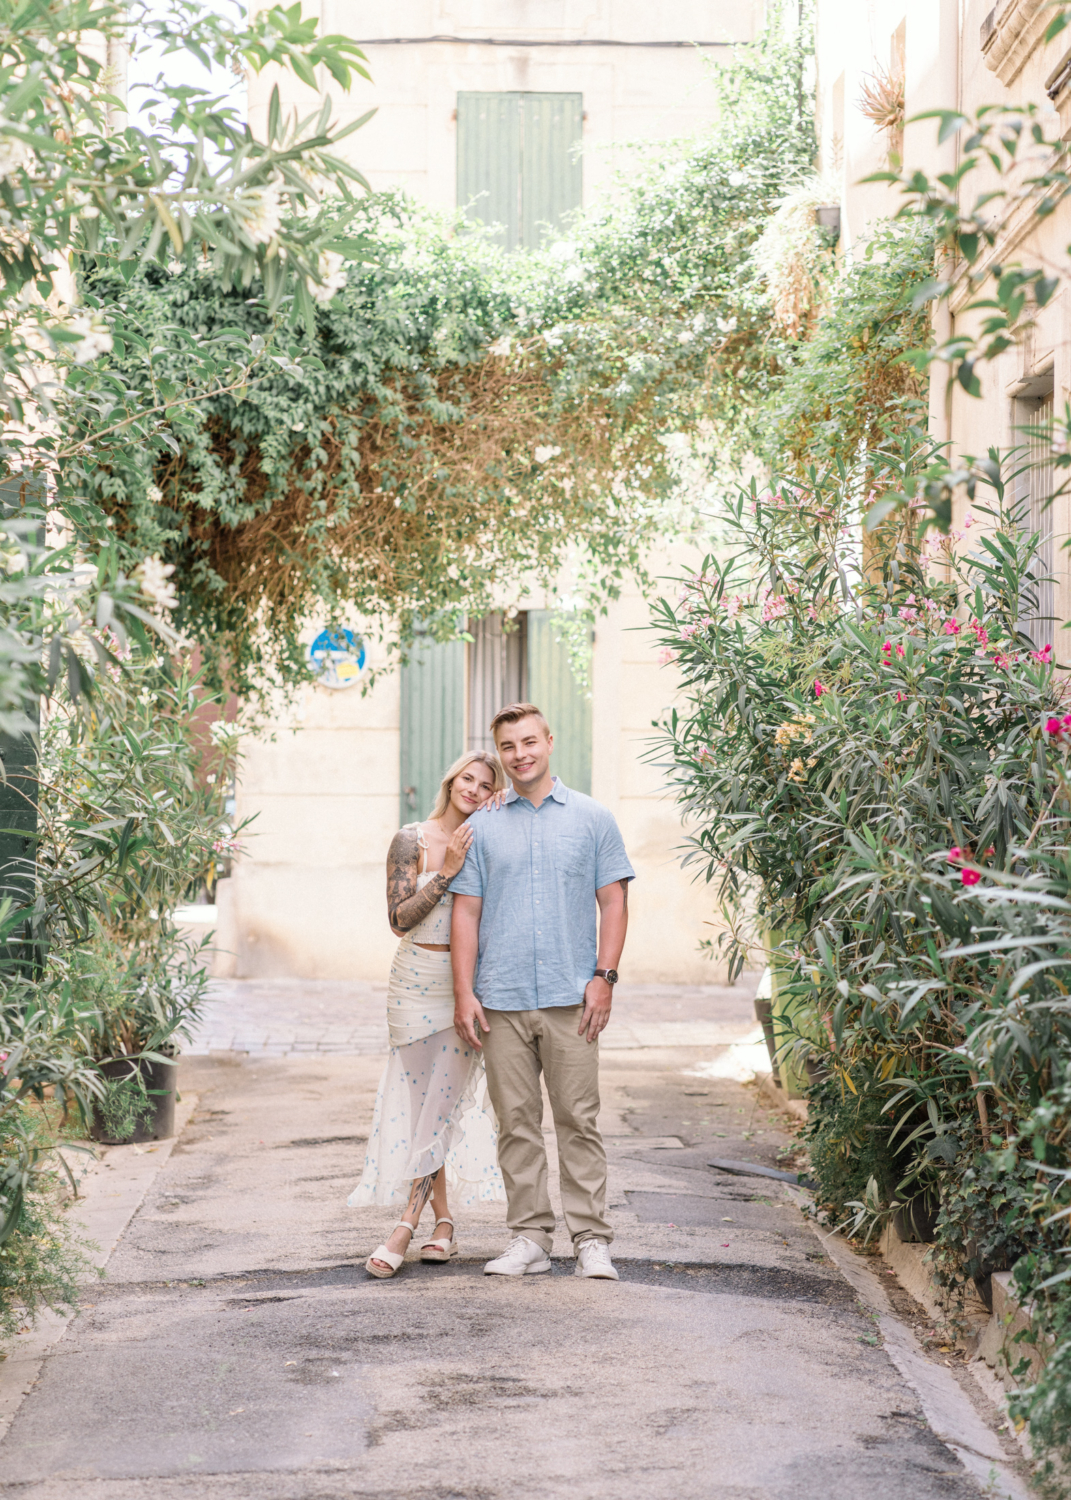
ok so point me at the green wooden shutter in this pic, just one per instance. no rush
(551, 173)
(489, 161)
(516, 163)
(432, 721)
(567, 707)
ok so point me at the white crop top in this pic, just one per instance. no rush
(435, 928)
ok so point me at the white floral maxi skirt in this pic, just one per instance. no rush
(432, 1108)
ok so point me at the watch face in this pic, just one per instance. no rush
(611, 976)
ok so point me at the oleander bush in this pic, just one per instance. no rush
(876, 769)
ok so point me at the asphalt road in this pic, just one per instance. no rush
(236, 1347)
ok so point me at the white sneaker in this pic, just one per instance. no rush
(522, 1257)
(593, 1259)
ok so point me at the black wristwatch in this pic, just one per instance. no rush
(610, 975)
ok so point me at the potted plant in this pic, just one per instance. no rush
(145, 1002)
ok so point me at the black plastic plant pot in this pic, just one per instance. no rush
(916, 1222)
(816, 1069)
(159, 1080)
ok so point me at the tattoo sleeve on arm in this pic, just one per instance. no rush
(406, 905)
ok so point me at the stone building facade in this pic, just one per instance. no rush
(516, 111)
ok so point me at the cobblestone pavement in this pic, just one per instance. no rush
(283, 1017)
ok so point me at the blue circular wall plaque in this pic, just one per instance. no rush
(337, 657)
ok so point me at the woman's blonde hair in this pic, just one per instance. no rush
(486, 758)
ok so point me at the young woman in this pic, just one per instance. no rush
(429, 1127)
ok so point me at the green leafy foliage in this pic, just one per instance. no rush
(42, 1258)
(453, 418)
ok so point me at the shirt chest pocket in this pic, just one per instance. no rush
(572, 854)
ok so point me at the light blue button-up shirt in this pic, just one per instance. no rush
(537, 870)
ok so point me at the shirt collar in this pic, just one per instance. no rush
(559, 791)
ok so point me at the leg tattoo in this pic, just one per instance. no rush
(422, 1190)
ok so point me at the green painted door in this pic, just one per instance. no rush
(517, 163)
(432, 721)
(553, 688)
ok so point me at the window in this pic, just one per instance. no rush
(451, 691)
(517, 164)
(1036, 489)
(497, 672)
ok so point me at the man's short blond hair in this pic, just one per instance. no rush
(513, 713)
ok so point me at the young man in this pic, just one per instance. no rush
(534, 991)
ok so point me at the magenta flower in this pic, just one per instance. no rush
(970, 877)
(819, 688)
(899, 697)
(951, 627)
(1053, 726)
(899, 650)
(1044, 656)
(955, 854)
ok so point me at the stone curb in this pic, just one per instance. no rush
(946, 1407)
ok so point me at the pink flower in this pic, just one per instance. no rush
(812, 613)
(899, 650)
(1066, 721)
(1044, 656)
(955, 854)
(887, 648)
(819, 688)
(951, 627)
(989, 853)
(1053, 726)
(687, 631)
(899, 697)
(1001, 660)
(733, 607)
(981, 634)
(907, 614)
(775, 608)
(665, 656)
(970, 877)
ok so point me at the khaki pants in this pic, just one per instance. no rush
(520, 1045)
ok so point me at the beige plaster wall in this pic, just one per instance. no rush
(631, 92)
(309, 895)
(322, 786)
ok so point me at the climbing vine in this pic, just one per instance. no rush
(455, 418)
